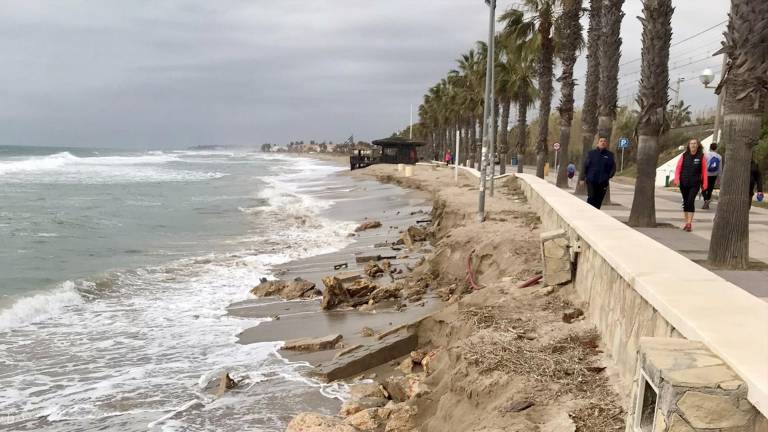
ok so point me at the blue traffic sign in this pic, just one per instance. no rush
(623, 143)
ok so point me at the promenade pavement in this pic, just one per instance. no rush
(695, 245)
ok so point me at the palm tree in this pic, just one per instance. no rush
(522, 46)
(505, 83)
(745, 83)
(541, 25)
(568, 31)
(544, 11)
(679, 115)
(471, 66)
(652, 99)
(610, 54)
(591, 88)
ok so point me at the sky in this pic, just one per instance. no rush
(174, 74)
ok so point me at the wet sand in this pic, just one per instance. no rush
(397, 209)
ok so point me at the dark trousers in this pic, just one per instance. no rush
(707, 193)
(596, 193)
(689, 193)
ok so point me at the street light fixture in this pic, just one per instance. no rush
(706, 77)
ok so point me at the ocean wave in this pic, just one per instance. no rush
(28, 310)
(67, 168)
(59, 160)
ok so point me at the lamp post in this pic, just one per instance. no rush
(707, 77)
(487, 108)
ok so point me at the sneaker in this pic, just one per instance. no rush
(688, 227)
(705, 206)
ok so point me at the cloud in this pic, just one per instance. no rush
(172, 74)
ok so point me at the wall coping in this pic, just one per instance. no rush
(701, 305)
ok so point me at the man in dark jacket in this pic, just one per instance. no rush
(599, 167)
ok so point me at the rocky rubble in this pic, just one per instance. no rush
(387, 405)
(288, 290)
(371, 224)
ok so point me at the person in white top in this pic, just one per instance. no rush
(714, 169)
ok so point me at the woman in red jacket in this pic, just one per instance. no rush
(691, 177)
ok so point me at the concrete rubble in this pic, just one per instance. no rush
(556, 256)
(288, 290)
(313, 344)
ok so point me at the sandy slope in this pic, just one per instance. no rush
(501, 357)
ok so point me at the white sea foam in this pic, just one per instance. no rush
(137, 348)
(39, 307)
(67, 168)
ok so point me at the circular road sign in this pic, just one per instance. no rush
(556, 146)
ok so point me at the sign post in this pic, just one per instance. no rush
(456, 159)
(623, 144)
(556, 146)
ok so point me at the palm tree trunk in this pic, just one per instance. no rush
(546, 60)
(745, 104)
(643, 212)
(569, 34)
(591, 89)
(522, 126)
(610, 55)
(504, 139)
(653, 99)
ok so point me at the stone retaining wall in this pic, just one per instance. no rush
(637, 288)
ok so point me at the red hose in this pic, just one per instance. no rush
(530, 281)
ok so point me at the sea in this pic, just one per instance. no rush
(116, 268)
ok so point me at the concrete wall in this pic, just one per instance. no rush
(636, 287)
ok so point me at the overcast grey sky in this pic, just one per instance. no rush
(171, 74)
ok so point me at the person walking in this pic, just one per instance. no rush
(448, 157)
(691, 176)
(599, 167)
(714, 170)
(570, 171)
(755, 181)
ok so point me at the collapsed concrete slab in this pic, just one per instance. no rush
(313, 344)
(367, 356)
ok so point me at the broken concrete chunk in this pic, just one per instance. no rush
(368, 225)
(313, 344)
(334, 293)
(288, 290)
(305, 422)
(556, 256)
(572, 315)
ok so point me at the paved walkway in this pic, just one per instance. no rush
(694, 245)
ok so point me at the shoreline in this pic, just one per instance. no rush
(445, 396)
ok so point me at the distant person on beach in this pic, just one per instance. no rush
(691, 176)
(755, 181)
(599, 167)
(570, 171)
(714, 170)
